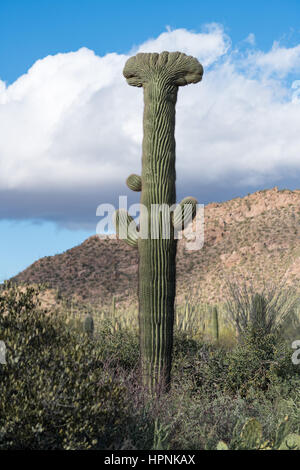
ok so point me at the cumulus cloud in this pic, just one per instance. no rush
(71, 128)
(209, 45)
(279, 60)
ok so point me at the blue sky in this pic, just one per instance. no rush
(32, 29)
(49, 187)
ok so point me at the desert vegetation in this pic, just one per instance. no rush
(69, 386)
(208, 369)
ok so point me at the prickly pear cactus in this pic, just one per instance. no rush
(160, 75)
(291, 442)
(222, 446)
(251, 434)
(251, 438)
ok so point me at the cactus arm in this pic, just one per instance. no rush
(184, 212)
(134, 182)
(126, 228)
(160, 75)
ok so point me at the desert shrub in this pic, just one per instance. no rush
(249, 364)
(184, 345)
(272, 310)
(259, 361)
(62, 389)
(205, 419)
(55, 392)
(120, 348)
(223, 389)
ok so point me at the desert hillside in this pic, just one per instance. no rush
(256, 237)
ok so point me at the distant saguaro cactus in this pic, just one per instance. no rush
(215, 323)
(160, 75)
(113, 307)
(89, 325)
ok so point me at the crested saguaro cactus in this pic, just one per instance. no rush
(160, 75)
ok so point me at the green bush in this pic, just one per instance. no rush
(120, 348)
(55, 393)
(63, 389)
(259, 361)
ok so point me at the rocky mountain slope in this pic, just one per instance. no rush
(256, 238)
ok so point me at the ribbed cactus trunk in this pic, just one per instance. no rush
(159, 75)
(157, 267)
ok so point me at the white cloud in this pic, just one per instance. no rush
(71, 124)
(208, 46)
(279, 60)
(250, 39)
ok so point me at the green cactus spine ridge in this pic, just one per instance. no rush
(160, 75)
